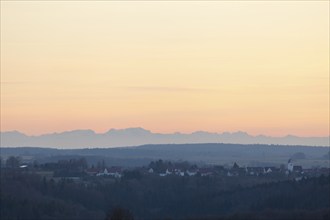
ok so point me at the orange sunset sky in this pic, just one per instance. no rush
(260, 67)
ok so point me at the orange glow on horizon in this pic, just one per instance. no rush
(257, 67)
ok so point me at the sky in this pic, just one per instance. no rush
(180, 66)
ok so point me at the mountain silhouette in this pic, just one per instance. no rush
(139, 136)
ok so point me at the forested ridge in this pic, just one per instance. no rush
(30, 196)
(249, 155)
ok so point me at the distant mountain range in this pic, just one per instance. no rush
(140, 136)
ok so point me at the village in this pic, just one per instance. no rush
(162, 182)
(78, 169)
(291, 170)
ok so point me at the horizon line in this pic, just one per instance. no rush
(175, 132)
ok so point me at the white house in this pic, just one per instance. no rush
(103, 173)
(168, 172)
(268, 170)
(113, 171)
(191, 172)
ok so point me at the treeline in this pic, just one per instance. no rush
(29, 196)
(208, 153)
(26, 195)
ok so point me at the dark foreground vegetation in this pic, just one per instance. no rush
(137, 195)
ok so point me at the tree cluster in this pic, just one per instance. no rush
(25, 195)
